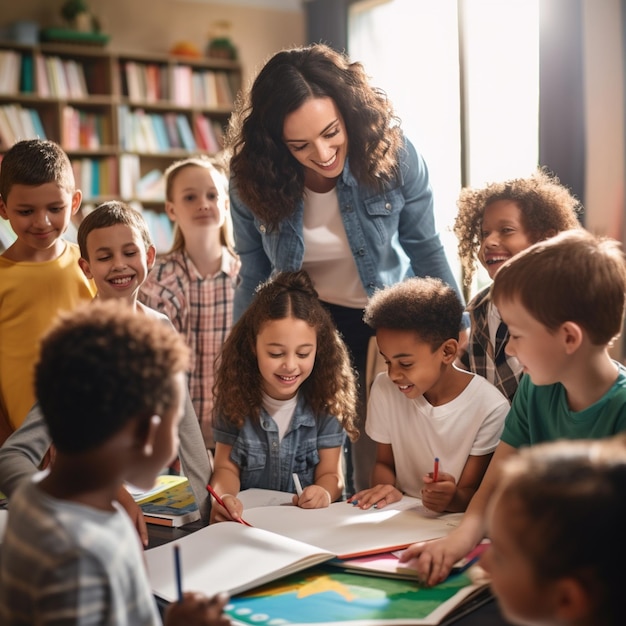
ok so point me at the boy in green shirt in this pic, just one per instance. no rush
(563, 302)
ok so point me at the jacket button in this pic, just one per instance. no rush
(262, 228)
(388, 206)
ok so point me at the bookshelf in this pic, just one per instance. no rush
(121, 117)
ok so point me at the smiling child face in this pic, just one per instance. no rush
(503, 235)
(118, 261)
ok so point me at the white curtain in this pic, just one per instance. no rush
(463, 76)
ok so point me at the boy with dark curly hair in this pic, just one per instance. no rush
(424, 407)
(70, 551)
(494, 223)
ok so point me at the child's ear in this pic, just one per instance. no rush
(77, 198)
(145, 434)
(573, 603)
(84, 265)
(169, 209)
(572, 335)
(450, 347)
(150, 257)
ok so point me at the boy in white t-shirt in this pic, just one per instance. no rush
(424, 407)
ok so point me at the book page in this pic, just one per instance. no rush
(322, 596)
(253, 498)
(347, 531)
(228, 557)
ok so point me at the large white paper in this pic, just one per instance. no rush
(346, 531)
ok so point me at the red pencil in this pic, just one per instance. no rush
(436, 470)
(221, 503)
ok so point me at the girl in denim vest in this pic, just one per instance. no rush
(285, 397)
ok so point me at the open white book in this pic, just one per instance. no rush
(286, 539)
(348, 531)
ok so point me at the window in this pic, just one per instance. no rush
(464, 78)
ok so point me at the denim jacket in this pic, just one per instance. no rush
(265, 462)
(392, 234)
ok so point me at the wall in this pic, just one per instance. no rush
(605, 131)
(155, 25)
(604, 104)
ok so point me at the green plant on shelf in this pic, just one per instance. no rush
(79, 16)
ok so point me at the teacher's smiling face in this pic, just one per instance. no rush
(315, 135)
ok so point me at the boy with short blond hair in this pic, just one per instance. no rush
(39, 274)
(563, 300)
(117, 253)
(70, 552)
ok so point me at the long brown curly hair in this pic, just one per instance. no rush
(331, 386)
(267, 176)
(545, 206)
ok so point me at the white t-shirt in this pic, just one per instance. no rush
(281, 411)
(469, 425)
(328, 258)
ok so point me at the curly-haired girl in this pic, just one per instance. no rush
(323, 179)
(493, 224)
(285, 396)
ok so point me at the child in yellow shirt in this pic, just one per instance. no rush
(39, 272)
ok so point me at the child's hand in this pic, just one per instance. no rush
(313, 497)
(230, 512)
(436, 496)
(135, 513)
(434, 559)
(378, 496)
(196, 609)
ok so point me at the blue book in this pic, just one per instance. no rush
(37, 125)
(189, 143)
(158, 123)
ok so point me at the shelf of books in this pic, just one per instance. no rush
(121, 117)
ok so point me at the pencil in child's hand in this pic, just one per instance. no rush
(298, 484)
(179, 573)
(221, 503)
(436, 470)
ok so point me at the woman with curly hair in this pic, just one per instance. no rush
(493, 224)
(323, 179)
(285, 396)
